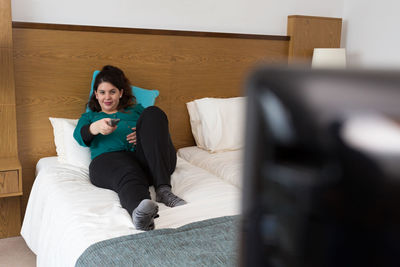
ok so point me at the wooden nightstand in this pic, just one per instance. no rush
(10, 197)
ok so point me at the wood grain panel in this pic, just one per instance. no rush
(8, 182)
(10, 177)
(5, 34)
(9, 164)
(10, 216)
(7, 94)
(8, 143)
(308, 32)
(5, 24)
(29, 170)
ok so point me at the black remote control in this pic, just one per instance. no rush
(113, 122)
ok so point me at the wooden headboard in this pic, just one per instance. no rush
(53, 66)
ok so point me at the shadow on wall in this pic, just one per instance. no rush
(353, 59)
(344, 34)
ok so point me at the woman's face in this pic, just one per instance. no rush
(108, 96)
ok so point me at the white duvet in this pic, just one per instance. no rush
(228, 165)
(66, 213)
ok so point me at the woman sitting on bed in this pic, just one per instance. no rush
(132, 155)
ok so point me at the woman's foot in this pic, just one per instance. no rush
(164, 195)
(144, 214)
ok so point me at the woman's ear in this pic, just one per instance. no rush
(121, 93)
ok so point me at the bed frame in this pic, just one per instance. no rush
(53, 66)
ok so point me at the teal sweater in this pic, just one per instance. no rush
(116, 141)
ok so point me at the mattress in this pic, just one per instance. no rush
(66, 213)
(227, 165)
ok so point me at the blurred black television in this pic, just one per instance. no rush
(322, 169)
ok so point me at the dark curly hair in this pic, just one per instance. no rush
(116, 77)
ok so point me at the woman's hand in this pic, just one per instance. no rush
(131, 138)
(102, 127)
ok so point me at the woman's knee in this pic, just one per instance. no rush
(154, 113)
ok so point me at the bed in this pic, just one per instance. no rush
(66, 214)
(68, 220)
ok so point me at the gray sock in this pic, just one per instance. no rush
(144, 214)
(164, 195)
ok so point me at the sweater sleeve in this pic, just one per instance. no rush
(87, 137)
(81, 133)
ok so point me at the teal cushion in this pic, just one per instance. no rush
(145, 97)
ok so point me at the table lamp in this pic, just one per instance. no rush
(329, 58)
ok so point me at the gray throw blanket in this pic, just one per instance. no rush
(211, 242)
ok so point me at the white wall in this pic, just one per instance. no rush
(371, 33)
(236, 16)
(370, 27)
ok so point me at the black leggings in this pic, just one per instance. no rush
(131, 173)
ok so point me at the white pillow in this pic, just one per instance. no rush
(222, 122)
(75, 153)
(195, 124)
(68, 150)
(58, 130)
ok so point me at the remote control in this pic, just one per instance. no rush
(113, 122)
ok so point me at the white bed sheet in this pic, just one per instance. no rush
(66, 213)
(228, 165)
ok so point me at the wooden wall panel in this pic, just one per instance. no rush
(9, 182)
(8, 138)
(7, 95)
(10, 212)
(10, 217)
(5, 24)
(8, 133)
(5, 34)
(53, 70)
(308, 32)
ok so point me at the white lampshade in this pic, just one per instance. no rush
(329, 58)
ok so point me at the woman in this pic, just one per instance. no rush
(133, 154)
